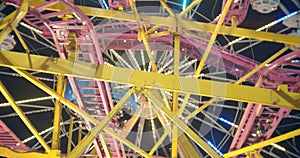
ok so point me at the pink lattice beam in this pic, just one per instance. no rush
(9, 139)
(238, 9)
(255, 113)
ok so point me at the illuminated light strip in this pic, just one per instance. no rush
(295, 61)
(27, 113)
(28, 101)
(17, 75)
(278, 147)
(228, 122)
(105, 4)
(184, 4)
(45, 131)
(31, 28)
(215, 148)
(152, 124)
(265, 27)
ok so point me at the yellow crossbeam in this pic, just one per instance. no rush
(242, 79)
(190, 7)
(263, 143)
(57, 114)
(70, 135)
(169, 10)
(23, 117)
(87, 140)
(131, 122)
(155, 97)
(152, 80)
(13, 20)
(186, 24)
(76, 109)
(213, 38)
(143, 36)
(176, 45)
(6, 152)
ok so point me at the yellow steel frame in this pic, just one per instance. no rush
(152, 84)
(152, 80)
(57, 114)
(263, 144)
(23, 117)
(187, 24)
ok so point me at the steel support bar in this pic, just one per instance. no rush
(190, 7)
(169, 10)
(14, 21)
(213, 38)
(263, 143)
(87, 140)
(23, 117)
(57, 114)
(187, 147)
(208, 49)
(76, 109)
(155, 97)
(143, 36)
(24, 45)
(260, 66)
(151, 80)
(131, 122)
(104, 145)
(186, 24)
(176, 45)
(242, 79)
(5, 21)
(6, 152)
(70, 135)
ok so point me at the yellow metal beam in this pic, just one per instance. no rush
(57, 114)
(70, 136)
(14, 20)
(79, 132)
(104, 145)
(176, 51)
(143, 36)
(263, 144)
(190, 7)
(151, 80)
(260, 66)
(131, 122)
(23, 117)
(184, 143)
(213, 38)
(76, 109)
(155, 97)
(24, 45)
(187, 148)
(5, 21)
(169, 10)
(6, 152)
(242, 79)
(87, 140)
(186, 24)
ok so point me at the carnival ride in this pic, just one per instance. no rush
(120, 78)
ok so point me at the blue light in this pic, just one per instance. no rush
(105, 4)
(225, 121)
(214, 147)
(296, 61)
(184, 4)
(287, 16)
